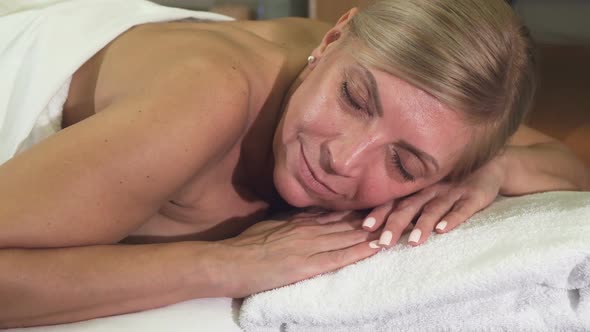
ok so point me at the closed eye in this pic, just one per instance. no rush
(397, 161)
(352, 101)
(349, 97)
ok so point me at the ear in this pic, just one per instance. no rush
(334, 34)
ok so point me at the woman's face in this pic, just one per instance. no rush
(352, 137)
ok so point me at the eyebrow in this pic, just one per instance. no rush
(419, 153)
(373, 91)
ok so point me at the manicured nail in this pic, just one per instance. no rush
(442, 225)
(415, 236)
(369, 222)
(385, 238)
(374, 244)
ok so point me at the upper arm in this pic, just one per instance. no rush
(96, 181)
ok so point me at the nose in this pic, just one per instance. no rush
(348, 155)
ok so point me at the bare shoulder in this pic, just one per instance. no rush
(526, 136)
(96, 181)
(224, 53)
(294, 32)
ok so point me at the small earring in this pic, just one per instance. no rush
(310, 59)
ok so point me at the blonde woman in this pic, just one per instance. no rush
(184, 137)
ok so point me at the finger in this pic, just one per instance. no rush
(263, 227)
(333, 260)
(401, 217)
(408, 228)
(335, 216)
(304, 216)
(431, 214)
(392, 231)
(461, 211)
(311, 226)
(341, 240)
(377, 217)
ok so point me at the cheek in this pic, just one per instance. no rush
(377, 190)
(314, 107)
(316, 112)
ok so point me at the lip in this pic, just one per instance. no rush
(310, 179)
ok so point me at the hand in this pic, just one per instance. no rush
(439, 207)
(275, 253)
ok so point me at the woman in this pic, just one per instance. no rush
(403, 107)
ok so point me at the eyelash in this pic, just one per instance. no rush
(351, 101)
(397, 161)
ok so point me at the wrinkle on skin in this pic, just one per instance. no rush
(361, 165)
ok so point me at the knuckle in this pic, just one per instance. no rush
(460, 204)
(348, 238)
(405, 204)
(453, 219)
(383, 207)
(340, 256)
(355, 224)
(470, 191)
(467, 201)
(359, 236)
(480, 199)
(457, 192)
(395, 225)
(426, 221)
(302, 230)
(431, 190)
(432, 208)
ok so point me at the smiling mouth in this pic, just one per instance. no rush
(311, 180)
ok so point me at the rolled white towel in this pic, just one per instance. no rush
(522, 264)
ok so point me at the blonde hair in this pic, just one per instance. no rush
(474, 56)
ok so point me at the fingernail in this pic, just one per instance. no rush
(442, 225)
(369, 222)
(415, 236)
(374, 244)
(385, 238)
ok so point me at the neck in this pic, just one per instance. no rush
(256, 165)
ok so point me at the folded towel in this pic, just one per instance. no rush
(522, 264)
(43, 42)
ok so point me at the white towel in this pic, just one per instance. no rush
(43, 42)
(523, 264)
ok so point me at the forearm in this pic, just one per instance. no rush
(51, 286)
(541, 167)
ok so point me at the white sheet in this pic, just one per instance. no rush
(43, 42)
(215, 315)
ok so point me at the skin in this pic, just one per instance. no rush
(352, 151)
(228, 107)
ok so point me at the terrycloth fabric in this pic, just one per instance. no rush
(523, 264)
(43, 42)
